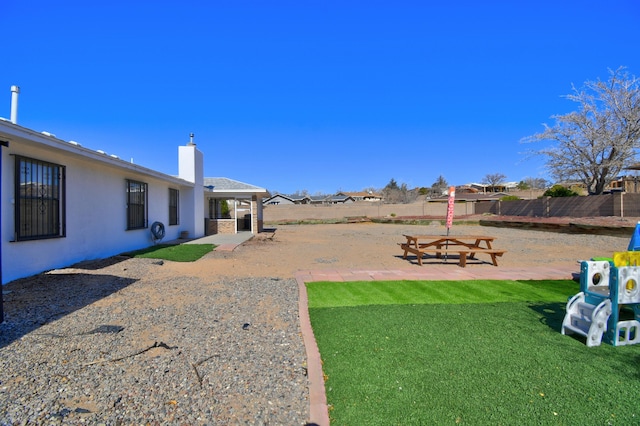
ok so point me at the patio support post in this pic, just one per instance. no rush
(251, 212)
(235, 215)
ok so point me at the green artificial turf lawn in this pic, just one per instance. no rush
(176, 253)
(468, 362)
(334, 294)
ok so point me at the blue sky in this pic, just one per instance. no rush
(312, 95)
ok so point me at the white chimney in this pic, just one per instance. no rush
(14, 104)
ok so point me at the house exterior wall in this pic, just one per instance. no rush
(94, 200)
(96, 212)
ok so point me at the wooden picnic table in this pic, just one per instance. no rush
(466, 246)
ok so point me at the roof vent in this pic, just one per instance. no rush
(114, 156)
(191, 143)
(15, 90)
(74, 143)
(99, 151)
(49, 134)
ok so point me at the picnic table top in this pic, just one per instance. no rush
(449, 237)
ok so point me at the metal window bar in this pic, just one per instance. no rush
(39, 189)
(173, 206)
(136, 205)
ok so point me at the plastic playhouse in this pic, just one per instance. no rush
(608, 305)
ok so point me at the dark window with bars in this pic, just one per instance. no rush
(136, 205)
(173, 206)
(40, 205)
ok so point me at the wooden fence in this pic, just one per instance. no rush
(617, 204)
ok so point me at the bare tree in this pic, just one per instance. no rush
(593, 144)
(533, 183)
(492, 180)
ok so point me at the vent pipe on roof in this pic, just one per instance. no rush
(14, 104)
(191, 143)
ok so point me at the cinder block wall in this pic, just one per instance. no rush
(616, 205)
(338, 211)
(220, 226)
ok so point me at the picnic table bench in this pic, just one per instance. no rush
(465, 246)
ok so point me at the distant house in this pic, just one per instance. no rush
(281, 199)
(502, 187)
(339, 198)
(331, 199)
(63, 203)
(363, 196)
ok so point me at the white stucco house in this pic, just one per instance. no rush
(63, 203)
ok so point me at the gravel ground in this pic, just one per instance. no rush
(126, 344)
(217, 342)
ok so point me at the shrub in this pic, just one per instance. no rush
(559, 191)
(510, 198)
(224, 209)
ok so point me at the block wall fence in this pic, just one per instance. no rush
(616, 205)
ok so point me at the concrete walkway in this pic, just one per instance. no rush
(224, 242)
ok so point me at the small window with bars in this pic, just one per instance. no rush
(173, 206)
(136, 205)
(40, 199)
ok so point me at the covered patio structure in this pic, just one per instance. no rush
(232, 206)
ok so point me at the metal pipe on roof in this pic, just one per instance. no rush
(15, 90)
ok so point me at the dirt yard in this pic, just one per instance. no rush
(142, 341)
(292, 248)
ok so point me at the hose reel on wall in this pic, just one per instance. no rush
(157, 231)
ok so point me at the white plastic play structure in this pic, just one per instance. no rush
(608, 305)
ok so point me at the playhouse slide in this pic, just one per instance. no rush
(587, 319)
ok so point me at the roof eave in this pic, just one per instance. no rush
(22, 135)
